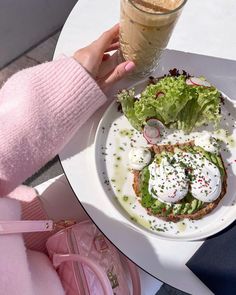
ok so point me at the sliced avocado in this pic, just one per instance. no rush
(220, 165)
(157, 210)
(147, 199)
(167, 211)
(190, 149)
(222, 172)
(177, 208)
(163, 153)
(157, 207)
(207, 156)
(199, 149)
(185, 208)
(158, 158)
(193, 207)
(219, 161)
(157, 204)
(214, 160)
(166, 154)
(199, 205)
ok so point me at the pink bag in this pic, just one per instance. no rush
(88, 263)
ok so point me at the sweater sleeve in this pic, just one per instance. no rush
(40, 110)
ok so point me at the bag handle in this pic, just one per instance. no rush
(134, 275)
(29, 226)
(135, 278)
(57, 259)
(24, 226)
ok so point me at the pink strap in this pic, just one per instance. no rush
(14, 227)
(105, 283)
(135, 278)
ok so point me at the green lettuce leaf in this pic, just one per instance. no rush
(179, 105)
(127, 100)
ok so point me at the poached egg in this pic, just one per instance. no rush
(167, 183)
(139, 158)
(171, 180)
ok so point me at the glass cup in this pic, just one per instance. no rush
(145, 29)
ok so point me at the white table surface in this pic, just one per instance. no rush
(206, 27)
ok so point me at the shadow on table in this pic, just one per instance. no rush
(138, 242)
(168, 290)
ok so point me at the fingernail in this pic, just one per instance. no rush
(129, 66)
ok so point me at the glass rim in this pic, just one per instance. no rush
(159, 13)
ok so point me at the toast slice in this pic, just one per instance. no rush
(168, 213)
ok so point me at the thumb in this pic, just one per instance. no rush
(118, 73)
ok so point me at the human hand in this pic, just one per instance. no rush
(103, 67)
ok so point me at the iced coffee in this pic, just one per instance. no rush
(145, 29)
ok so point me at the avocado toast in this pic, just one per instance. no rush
(189, 206)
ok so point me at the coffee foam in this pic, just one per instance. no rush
(146, 16)
(157, 6)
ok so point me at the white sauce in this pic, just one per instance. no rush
(207, 142)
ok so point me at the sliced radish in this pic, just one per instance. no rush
(151, 134)
(153, 131)
(198, 82)
(160, 94)
(189, 82)
(155, 122)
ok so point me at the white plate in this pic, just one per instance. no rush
(113, 141)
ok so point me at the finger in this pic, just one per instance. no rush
(118, 73)
(108, 66)
(116, 39)
(106, 39)
(113, 46)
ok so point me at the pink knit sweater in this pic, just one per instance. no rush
(40, 110)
